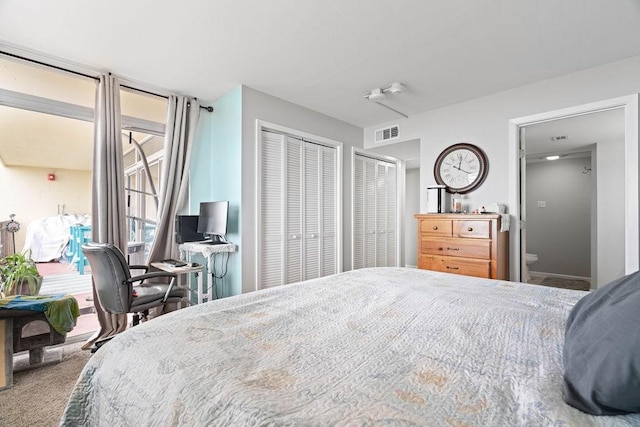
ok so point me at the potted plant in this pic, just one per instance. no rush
(19, 275)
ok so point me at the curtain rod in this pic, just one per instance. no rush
(208, 108)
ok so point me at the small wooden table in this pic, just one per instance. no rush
(22, 330)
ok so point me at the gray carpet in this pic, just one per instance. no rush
(39, 396)
(558, 282)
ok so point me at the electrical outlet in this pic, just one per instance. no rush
(542, 204)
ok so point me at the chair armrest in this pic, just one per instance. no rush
(143, 277)
(139, 267)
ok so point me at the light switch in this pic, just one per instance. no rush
(542, 204)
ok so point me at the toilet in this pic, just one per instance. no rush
(529, 259)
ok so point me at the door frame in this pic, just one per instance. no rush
(632, 207)
(400, 197)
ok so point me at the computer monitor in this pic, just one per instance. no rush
(212, 221)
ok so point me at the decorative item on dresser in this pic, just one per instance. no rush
(472, 245)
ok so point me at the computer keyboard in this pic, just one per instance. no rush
(174, 262)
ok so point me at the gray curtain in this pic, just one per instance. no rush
(182, 121)
(108, 205)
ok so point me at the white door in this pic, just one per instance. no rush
(375, 218)
(298, 209)
(524, 272)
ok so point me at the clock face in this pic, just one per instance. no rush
(461, 167)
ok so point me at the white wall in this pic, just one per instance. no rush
(484, 122)
(610, 213)
(560, 231)
(257, 105)
(412, 207)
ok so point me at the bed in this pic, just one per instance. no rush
(382, 346)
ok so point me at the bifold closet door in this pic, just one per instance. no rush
(299, 216)
(375, 213)
(273, 159)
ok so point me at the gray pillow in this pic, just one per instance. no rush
(602, 350)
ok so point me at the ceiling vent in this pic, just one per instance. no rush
(387, 134)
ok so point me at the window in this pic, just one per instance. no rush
(46, 116)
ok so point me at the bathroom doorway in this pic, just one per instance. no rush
(567, 161)
(559, 219)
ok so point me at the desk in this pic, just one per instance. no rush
(209, 252)
(197, 270)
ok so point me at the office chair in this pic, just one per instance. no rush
(115, 285)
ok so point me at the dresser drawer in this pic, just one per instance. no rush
(436, 227)
(469, 248)
(468, 267)
(475, 229)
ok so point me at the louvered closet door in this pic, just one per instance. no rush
(298, 208)
(294, 212)
(329, 211)
(370, 216)
(375, 213)
(358, 212)
(391, 214)
(312, 203)
(381, 214)
(272, 220)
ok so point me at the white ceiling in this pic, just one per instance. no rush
(325, 55)
(581, 133)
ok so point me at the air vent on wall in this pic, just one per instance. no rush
(387, 134)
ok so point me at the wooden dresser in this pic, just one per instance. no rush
(472, 245)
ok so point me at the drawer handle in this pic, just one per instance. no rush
(453, 268)
(435, 227)
(453, 249)
(470, 229)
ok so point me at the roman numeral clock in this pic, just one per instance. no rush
(461, 167)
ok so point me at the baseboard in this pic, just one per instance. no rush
(560, 276)
(410, 266)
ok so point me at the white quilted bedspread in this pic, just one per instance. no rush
(386, 346)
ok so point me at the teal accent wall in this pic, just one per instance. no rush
(216, 174)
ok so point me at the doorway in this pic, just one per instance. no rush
(614, 247)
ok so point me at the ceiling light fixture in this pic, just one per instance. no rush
(378, 94)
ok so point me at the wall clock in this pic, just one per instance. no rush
(461, 167)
